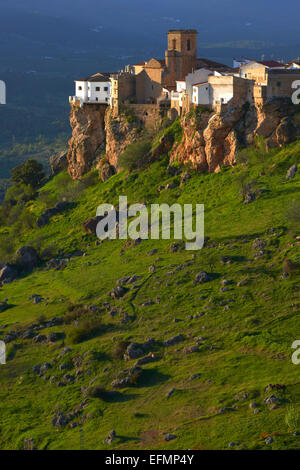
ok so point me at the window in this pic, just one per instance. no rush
(278, 83)
(173, 43)
(97, 88)
(188, 45)
(106, 88)
(97, 99)
(80, 88)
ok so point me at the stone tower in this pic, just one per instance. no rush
(181, 56)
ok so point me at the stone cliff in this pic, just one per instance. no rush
(88, 138)
(212, 140)
(121, 131)
(209, 141)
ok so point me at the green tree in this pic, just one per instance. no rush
(29, 173)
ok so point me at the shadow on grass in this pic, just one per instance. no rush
(123, 439)
(151, 377)
(114, 396)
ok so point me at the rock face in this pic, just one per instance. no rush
(106, 171)
(88, 138)
(211, 140)
(120, 132)
(7, 273)
(59, 162)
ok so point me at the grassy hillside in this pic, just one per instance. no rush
(244, 332)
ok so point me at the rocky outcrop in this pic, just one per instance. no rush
(212, 140)
(44, 219)
(88, 138)
(120, 132)
(59, 162)
(106, 171)
(27, 258)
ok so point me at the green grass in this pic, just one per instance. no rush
(245, 347)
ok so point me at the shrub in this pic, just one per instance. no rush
(86, 329)
(96, 391)
(255, 155)
(119, 349)
(74, 312)
(29, 173)
(41, 318)
(135, 156)
(91, 179)
(290, 267)
(7, 248)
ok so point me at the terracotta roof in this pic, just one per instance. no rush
(97, 77)
(269, 63)
(207, 63)
(140, 64)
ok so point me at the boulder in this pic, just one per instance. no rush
(7, 273)
(174, 340)
(118, 292)
(106, 172)
(27, 258)
(135, 350)
(201, 278)
(127, 378)
(291, 173)
(44, 219)
(90, 225)
(60, 420)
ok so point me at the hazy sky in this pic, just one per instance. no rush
(144, 23)
(248, 17)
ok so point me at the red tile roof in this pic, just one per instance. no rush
(269, 63)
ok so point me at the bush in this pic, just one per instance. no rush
(86, 329)
(135, 156)
(119, 349)
(96, 391)
(290, 267)
(255, 155)
(29, 173)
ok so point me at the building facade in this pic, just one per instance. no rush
(94, 89)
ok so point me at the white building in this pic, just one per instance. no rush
(196, 87)
(201, 94)
(94, 89)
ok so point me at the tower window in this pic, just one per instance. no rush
(174, 43)
(188, 45)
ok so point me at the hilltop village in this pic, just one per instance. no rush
(218, 109)
(181, 81)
